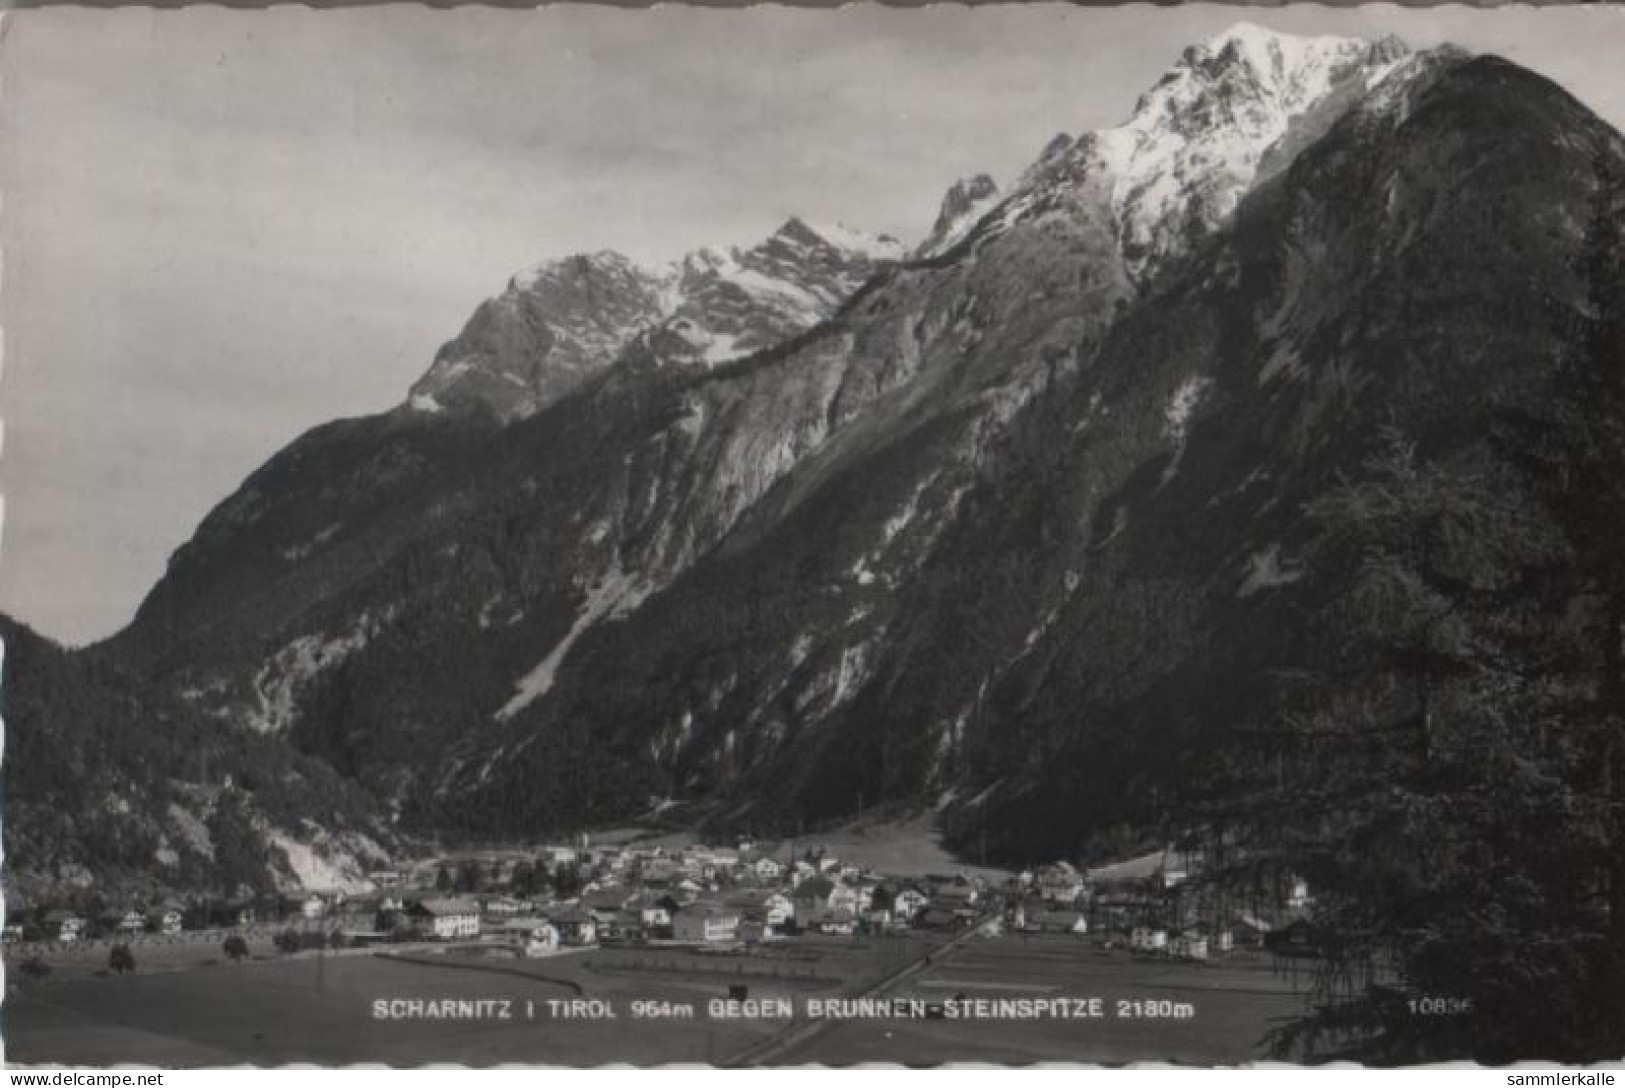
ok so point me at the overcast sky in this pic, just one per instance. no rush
(224, 227)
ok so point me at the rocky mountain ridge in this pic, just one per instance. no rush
(563, 321)
(1010, 529)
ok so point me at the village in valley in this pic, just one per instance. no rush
(720, 899)
(739, 953)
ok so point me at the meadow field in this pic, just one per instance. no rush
(1181, 1012)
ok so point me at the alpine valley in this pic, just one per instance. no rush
(1007, 526)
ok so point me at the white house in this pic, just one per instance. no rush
(1060, 882)
(773, 907)
(165, 920)
(63, 926)
(846, 897)
(502, 905)
(706, 922)
(1189, 946)
(909, 902)
(448, 919)
(1176, 868)
(842, 923)
(575, 925)
(532, 936)
(131, 921)
(1148, 939)
(654, 912)
(558, 856)
(767, 868)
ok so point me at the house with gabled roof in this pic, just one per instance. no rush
(653, 911)
(907, 903)
(955, 896)
(532, 936)
(774, 907)
(62, 925)
(1059, 921)
(502, 905)
(813, 895)
(166, 919)
(836, 922)
(447, 919)
(576, 926)
(124, 923)
(706, 921)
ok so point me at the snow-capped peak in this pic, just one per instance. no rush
(877, 247)
(1193, 145)
(1247, 61)
(964, 204)
(604, 261)
(839, 236)
(562, 320)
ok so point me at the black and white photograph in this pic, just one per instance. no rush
(774, 537)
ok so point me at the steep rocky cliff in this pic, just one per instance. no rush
(1010, 527)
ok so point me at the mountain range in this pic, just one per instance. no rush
(1006, 525)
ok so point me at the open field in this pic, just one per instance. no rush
(906, 846)
(321, 1011)
(186, 952)
(910, 847)
(305, 1009)
(1219, 1012)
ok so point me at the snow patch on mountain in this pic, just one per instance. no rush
(879, 247)
(1176, 419)
(1265, 570)
(295, 552)
(1182, 405)
(615, 594)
